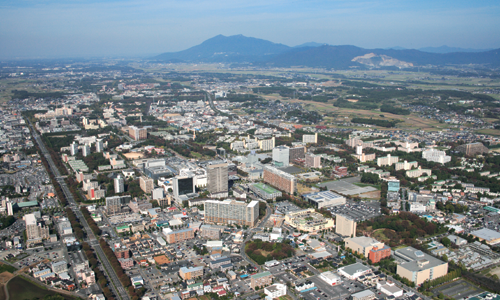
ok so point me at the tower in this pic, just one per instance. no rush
(119, 185)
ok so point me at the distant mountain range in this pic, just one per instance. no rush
(242, 49)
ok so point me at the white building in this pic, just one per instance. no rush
(119, 185)
(304, 286)
(417, 207)
(330, 278)
(354, 271)
(158, 193)
(281, 156)
(436, 156)
(275, 291)
(389, 288)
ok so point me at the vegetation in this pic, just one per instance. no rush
(6, 221)
(99, 276)
(427, 285)
(394, 110)
(261, 251)
(92, 224)
(377, 122)
(75, 224)
(21, 288)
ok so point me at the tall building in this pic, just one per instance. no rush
(345, 226)
(472, 149)
(35, 230)
(73, 149)
(137, 133)
(114, 204)
(281, 156)
(297, 153)
(231, 212)
(158, 193)
(10, 210)
(387, 160)
(86, 150)
(183, 185)
(313, 161)
(310, 138)
(99, 146)
(217, 176)
(279, 179)
(119, 185)
(180, 235)
(266, 145)
(147, 184)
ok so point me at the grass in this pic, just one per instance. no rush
(20, 288)
(8, 268)
(266, 188)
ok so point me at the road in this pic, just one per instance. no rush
(116, 285)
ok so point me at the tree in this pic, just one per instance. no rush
(446, 242)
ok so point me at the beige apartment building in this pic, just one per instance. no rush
(362, 244)
(419, 266)
(345, 226)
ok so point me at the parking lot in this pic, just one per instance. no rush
(459, 289)
(357, 211)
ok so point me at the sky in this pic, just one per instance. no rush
(132, 28)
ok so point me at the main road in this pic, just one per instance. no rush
(116, 285)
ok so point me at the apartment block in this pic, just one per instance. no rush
(190, 273)
(297, 153)
(376, 254)
(147, 184)
(313, 161)
(266, 145)
(419, 266)
(180, 235)
(217, 176)
(362, 245)
(261, 279)
(231, 212)
(279, 179)
(345, 226)
(137, 133)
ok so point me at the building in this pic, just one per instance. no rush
(113, 205)
(261, 279)
(305, 286)
(35, 230)
(73, 149)
(266, 145)
(472, 149)
(264, 191)
(313, 161)
(59, 267)
(330, 278)
(281, 156)
(158, 193)
(147, 184)
(119, 185)
(418, 172)
(279, 179)
(404, 165)
(126, 263)
(231, 212)
(99, 146)
(491, 237)
(86, 150)
(190, 273)
(275, 291)
(436, 156)
(180, 235)
(324, 199)
(183, 185)
(376, 254)
(137, 133)
(354, 271)
(389, 288)
(217, 176)
(364, 295)
(297, 153)
(393, 185)
(345, 226)
(94, 194)
(362, 244)
(387, 160)
(310, 138)
(308, 220)
(209, 232)
(419, 266)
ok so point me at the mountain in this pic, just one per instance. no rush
(310, 44)
(446, 49)
(396, 48)
(236, 48)
(242, 49)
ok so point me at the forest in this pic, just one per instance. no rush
(261, 251)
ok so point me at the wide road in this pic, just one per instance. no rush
(116, 285)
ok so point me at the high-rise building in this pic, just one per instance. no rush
(310, 138)
(345, 226)
(119, 185)
(86, 150)
(147, 184)
(35, 230)
(281, 156)
(10, 210)
(183, 185)
(313, 161)
(266, 145)
(99, 146)
(231, 212)
(279, 179)
(418, 266)
(436, 156)
(73, 149)
(137, 133)
(297, 153)
(113, 204)
(473, 149)
(217, 176)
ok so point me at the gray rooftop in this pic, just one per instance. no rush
(417, 260)
(355, 268)
(486, 234)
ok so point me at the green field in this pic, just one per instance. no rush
(20, 288)
(266, 188)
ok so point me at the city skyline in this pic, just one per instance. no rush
(52, 29)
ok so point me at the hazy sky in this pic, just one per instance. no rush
(86, 28)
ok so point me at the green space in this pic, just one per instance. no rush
(21, 288)
(266, 188)
(261, 251)
(7, 268)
